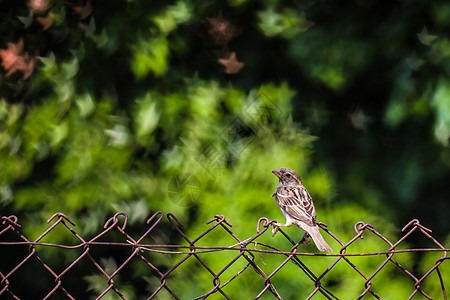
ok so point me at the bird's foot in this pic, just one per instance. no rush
(277, 226)
(275, 229)
(304, 239)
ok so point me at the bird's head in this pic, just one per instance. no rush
(287, 176)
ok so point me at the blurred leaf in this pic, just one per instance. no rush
(173, 16)
(395, 113)
(288, 23)
(129, 109)
(441, 105)
(150, 56)
(426, 38)
(85, 104)
(147, 117)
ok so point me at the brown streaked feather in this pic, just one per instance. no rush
(297, 203)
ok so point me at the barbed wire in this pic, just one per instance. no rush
(243, 249)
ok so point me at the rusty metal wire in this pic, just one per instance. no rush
(242, 249)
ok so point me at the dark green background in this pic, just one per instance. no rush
(128, 109)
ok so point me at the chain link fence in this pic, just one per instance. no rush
(21, 257)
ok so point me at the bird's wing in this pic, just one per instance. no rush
(297, 203)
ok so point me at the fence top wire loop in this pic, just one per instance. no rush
(230, 270)
(219, 219)
(115, 221)
(266, 224)
(360, 227)
(161, 216)
(171, 218)
(60, 217)
(11, 220)
(158, 213)
(416, 224)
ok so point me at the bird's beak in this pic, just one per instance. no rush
(277, 173)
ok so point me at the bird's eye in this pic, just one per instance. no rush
(288, 175)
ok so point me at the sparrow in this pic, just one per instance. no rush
(296, 205)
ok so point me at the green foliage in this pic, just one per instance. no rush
(124, 105)
(150, 56)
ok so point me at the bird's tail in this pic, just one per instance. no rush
(313, 231)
